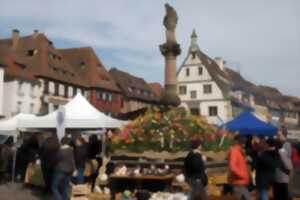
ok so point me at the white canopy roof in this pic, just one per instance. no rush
(8, 126)
(79, 113)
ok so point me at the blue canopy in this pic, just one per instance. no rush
(247, 124)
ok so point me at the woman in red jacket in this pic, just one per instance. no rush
(239, 175)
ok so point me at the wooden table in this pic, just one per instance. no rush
(155, 182)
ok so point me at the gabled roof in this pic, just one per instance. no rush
(133, 86)
(237, 80)
(85, 63)
(218, 75)
(35, 56)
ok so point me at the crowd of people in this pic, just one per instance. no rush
(256, 164)
(62, 162)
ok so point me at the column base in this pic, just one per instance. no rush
(169, 96)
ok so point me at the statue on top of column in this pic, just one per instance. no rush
(171, 18)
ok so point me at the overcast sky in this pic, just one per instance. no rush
(261, 38)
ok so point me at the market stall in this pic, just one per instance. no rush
(78, 114)
(148, 152)
(248, 124)
(10, 128)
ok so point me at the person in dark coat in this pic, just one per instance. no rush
(63, 171)
(266, 163)
(27, 153)
(94, 147)
(194, 169)
(48, 151)
(80, 155)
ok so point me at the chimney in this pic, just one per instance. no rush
(35, 33)
(15, 38)
(220, 62)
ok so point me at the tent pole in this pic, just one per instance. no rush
(14, 164)
(103, 145)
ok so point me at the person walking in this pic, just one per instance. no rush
(48, 152)
(194, 170)
(282, 173)
(63, 171)
(295, 178)
(265, 167)
(80, 155)
(239, 175)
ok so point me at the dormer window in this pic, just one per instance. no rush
(82, 65)
(32, 52)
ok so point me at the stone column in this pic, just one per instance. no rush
(170, 50)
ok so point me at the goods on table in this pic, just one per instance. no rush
(138, 171)
(180, 178)
(170, 131)
(168, 196)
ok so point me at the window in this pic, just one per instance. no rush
(103, 96)
(193, 94)
(195, 111)
(32, 91)
(78, 91)
(61, 90)
(182, 89)
(212, 110)
(70, 91)
(51, 87)
(207, 89)
(19, 106)
(20, 92)
(187, 71)
(200, 70)
(110, 97)
(31, 108)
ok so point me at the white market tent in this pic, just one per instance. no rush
(79, 114)
(11, 126)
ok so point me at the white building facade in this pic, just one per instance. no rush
(197, 88)
(21, 97)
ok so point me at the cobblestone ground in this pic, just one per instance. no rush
(17, 191)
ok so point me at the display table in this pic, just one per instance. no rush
(150, 182)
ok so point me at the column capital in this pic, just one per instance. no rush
(170, 49)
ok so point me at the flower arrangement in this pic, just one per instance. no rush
(171, 131)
